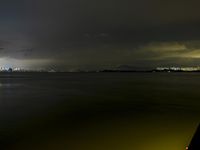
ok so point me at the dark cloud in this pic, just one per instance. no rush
(77, 33)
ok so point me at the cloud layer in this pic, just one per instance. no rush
(97, 34)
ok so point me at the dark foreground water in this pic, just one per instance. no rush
(98, 111)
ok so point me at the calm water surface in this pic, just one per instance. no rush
(98, 111)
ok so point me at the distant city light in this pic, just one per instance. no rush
(178, 68)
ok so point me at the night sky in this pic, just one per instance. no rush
(96, 34)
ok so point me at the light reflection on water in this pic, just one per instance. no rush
(98, 111)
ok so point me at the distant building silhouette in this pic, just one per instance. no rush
(10, 70)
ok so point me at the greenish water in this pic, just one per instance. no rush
(98, 111)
